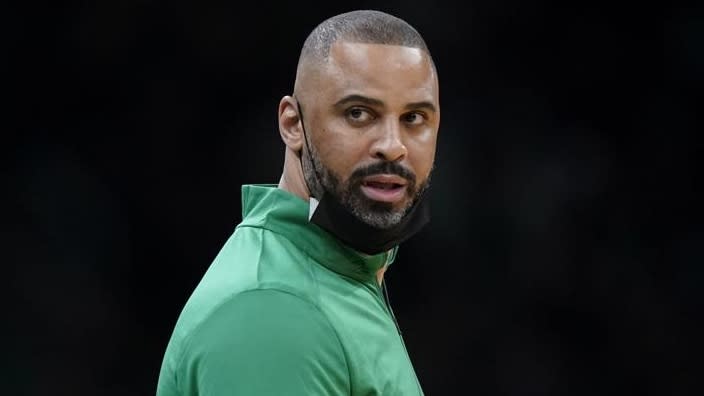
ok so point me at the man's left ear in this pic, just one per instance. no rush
(290, 127)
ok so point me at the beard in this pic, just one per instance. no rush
(322, 180)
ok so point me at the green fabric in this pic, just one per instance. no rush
(286, 309)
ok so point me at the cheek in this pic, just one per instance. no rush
(422, 154)
(339, 152)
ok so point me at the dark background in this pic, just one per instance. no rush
(565, 255)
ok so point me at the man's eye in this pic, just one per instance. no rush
(357, 114)
(414, 118)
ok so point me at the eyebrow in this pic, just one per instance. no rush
(360, 99)
(378, 103)
(422, 105)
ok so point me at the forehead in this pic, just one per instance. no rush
(388, 72)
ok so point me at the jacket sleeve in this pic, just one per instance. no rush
(265, 342)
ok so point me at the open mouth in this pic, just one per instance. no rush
(383, 191)
(381, 185)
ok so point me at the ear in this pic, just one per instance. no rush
(289, 124)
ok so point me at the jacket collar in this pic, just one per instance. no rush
(269, 207)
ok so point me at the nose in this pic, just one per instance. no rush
(389, 146)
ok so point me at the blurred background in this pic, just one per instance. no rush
(566, 248)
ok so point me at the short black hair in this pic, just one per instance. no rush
(361, 26)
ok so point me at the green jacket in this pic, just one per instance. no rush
(286, 309)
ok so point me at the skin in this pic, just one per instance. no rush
(367, 103)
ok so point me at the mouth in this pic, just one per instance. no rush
(384, 188)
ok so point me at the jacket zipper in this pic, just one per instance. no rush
(383, 290)
(387, 304)
(384, 295)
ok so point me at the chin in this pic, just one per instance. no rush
(378, 214)
(381, 215)
(388, 220)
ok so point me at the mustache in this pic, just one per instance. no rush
(392, 168)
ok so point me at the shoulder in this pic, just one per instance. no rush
(269, 307)
(265, 335)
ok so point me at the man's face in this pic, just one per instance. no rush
(372, 113)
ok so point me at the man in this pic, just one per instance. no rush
(294, 302)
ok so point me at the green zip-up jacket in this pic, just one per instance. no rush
(286, 309)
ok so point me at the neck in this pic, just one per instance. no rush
(292, 179)
(380, 275)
